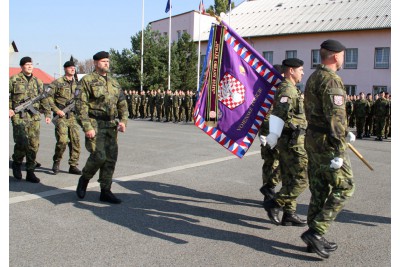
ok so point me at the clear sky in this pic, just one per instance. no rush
(84, 27)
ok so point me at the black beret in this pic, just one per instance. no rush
(333, 45)
(25, 60)
(292, 62)
(101, 55)
(69, 64)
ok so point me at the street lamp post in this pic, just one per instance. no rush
(59, 54)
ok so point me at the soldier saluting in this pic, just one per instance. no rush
(102, 111)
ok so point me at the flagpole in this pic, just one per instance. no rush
(169, 49)
(141, 52)
(198, 53)
(230, 9)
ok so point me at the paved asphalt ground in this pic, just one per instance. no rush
(186, 202)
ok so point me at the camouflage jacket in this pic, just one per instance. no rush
(289, 105)
(61, 91)
(381, 108)
(325, 107)
(20, 89)
(100, 100)
(361, 108)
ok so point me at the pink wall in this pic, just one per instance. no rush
(364, 77)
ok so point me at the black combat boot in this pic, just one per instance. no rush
(107, 196)
(31, 177)
(81, 188)
(74, 170)
(329, 246)
(56, 167)
(315, 241)
(16, 168)
(268, 192)
(272, 209)
(292, 219)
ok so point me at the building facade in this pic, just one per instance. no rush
(279, 29)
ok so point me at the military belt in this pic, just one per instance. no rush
(318, 129)
(102, 118)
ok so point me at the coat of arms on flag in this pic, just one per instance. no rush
(236, 90)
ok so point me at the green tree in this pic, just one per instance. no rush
(219, 6)
(126, 65)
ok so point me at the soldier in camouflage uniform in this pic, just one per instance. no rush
(26, 124)
(381, 112)
(329, 169)
(168, 106)
(63, 91)
(349, 108)
(361, 111)
(368, 121)
(271, 174)
(288, 123)
(388, 120)
(102, 111)
(159, 102)
(175, 105)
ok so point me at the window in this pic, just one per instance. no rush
(350, 89)
(291, 53)
(179, 34)
(351, 58)
(165, 33)
(315, 58)
(382, 56)
(269, 56)
(378, 88)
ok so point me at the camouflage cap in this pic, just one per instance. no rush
(333, 45)
(25, 60)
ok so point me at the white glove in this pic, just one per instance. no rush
(336, 163)
(272, 140)
(263, 140)
(350, 137)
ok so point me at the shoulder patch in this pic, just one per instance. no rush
(338, 100)
(284, 99)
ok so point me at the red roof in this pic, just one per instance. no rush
(46, 78)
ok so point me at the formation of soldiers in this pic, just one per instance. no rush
(371, 117)
(157, 105)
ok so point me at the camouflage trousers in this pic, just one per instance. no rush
(26, 132)
(103, 149)
(380, 123)
(330, 188)
(360, 124)
(271, 174)
(293, 165)
(67, 133)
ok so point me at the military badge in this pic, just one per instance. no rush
(338, 100)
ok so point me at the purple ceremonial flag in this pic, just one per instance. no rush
(244, 84)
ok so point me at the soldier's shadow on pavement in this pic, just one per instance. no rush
(348, 216)
(168, 212)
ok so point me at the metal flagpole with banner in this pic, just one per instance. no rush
(201, 12)
(238, 87)
(141, 52)
(230, 10)
(168, 9)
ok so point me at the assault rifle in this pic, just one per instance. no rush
(28, 104)
(69, 106)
